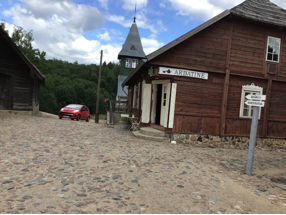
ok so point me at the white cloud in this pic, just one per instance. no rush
(150, 45)
(280, 3)
(162, 5)
(130, 4)
(9, 27)
(58, 27)
(153, 36)
(207, 9)
(105, 36)
(142, 22)
(104, 3)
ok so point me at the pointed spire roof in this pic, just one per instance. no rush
(132, 46)
(262, 11)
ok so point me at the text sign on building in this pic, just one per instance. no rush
(255, 103)
(256, 97)
(183, 72)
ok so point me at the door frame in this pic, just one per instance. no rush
(156, 82)
(11, 88)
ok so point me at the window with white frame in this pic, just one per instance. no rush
(246, 111)
(131, 63)
(273, 49)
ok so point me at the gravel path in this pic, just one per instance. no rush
(63, 166)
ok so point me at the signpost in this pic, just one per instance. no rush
(256, 105)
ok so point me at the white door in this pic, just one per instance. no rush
(165, 104)
(146, 102)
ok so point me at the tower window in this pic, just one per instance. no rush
(131, 63)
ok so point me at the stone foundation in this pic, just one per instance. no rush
(22, 112)
(230, 142)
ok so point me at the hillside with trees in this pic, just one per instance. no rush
(68, 82)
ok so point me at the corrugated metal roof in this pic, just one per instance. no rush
(23, 56)
(262, 11)
(132, 46)
(121, 79)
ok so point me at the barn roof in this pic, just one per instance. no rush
(132, 46)
(22, 55)
(262, 11)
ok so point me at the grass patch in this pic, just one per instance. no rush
(101, 117)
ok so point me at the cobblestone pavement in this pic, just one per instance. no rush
(62, 166)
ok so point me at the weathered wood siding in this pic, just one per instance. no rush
(277, 110)
(198, 104)
(12, 64)
(248, 49)
(204, 51)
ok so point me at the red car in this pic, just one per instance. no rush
(75, 111)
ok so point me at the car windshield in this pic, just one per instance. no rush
(74, 106)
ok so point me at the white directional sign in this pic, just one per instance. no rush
(255, 103)
(256, 97)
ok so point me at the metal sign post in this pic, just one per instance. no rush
(253, 132)
(252, 140)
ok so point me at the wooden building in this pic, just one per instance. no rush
(198, 83)
(19, 79)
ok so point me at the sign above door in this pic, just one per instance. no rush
(183, 72)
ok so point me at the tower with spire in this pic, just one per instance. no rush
(129, 56)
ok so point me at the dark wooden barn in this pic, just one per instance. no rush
(19, 79)
(199, 82)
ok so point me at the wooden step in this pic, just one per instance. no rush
(151, 138)
(152, 132)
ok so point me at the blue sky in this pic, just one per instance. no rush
(76, 30)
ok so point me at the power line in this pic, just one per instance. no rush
(162, 10)
(178, 14)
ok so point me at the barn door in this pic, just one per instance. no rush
(4, 91)
(146, 102)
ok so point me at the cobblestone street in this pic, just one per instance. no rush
(63, 166)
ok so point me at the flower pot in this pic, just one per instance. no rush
(126, 125)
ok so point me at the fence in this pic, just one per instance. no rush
(114, 110)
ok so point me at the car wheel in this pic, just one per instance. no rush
(88, 119)
(72, 119)
(60, 117)
(78, 117)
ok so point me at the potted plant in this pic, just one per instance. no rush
(126, 122)
(133, 115)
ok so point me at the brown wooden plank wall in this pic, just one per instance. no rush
(282, 71)
(198, 104)
(234, 124)
(247, 49)
(277, 110)
(12, 63)
(204, 51)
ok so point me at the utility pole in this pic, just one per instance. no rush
(98, 89)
